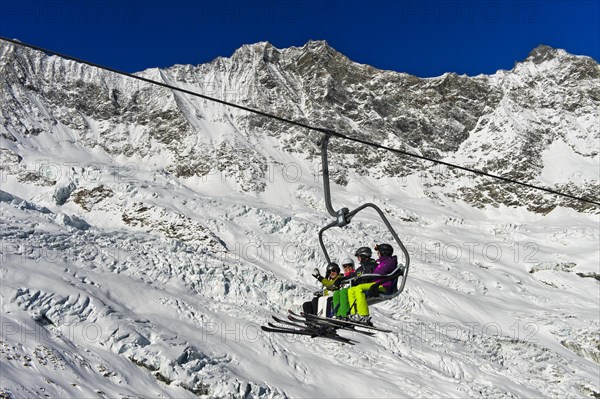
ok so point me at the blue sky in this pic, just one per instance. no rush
(424, 38)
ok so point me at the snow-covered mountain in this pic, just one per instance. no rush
(147, 234)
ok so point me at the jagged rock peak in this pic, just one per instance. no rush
(544, 53)
(253, 50)
(267, 51)
(575, 67)
(255, 47)
(320, 49)
(318, 45)
(311, 45)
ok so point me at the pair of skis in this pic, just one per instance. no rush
(317, 326)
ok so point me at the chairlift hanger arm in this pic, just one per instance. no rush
(330, 225)
(325, 167)
(344, 216)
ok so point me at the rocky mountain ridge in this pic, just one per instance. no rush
(502, 123)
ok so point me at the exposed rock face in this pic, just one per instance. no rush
(509, 123)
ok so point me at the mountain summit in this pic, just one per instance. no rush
(510, 123)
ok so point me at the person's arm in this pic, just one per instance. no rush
(317, 274)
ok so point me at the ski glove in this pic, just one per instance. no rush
(317, 275)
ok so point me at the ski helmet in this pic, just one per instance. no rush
(384, 249)
(332, 267)
(365, 252)
(348, 261)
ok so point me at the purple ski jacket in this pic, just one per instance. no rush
(386, 265)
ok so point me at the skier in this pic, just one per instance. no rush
(332, 275)
(341, 306)
(357, 295)
(367, 264)
(313, 325)
(348, 266)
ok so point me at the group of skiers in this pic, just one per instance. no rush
(349, 290)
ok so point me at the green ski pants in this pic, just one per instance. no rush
(340, 302)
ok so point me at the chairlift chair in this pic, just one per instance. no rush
(343, 217)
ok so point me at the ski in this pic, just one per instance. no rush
(318, 326)
(342, 323)
(330, 324)
(349, 324)
(275, 329)
(311, 333)
(308, 326)
(318, 329)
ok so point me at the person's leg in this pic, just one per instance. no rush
(315, 304)
(362, 308)
(352, 299)
(335, 302)
(328, 307)
(344, 305)
(307, 307)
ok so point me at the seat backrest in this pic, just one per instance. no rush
(381, 297)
